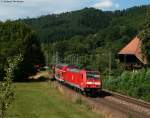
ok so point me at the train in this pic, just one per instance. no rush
(86, 81)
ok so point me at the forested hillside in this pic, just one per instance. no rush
(86, 21)
(64, 26)
(89, 37)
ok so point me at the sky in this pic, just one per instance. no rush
(36, 8)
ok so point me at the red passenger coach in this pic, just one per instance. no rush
(85, 80)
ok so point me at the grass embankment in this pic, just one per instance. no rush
(41, 100)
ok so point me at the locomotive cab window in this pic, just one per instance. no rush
(94, 75)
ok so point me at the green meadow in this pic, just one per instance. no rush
(41, 100)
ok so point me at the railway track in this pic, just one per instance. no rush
(126, 105)
(119, 106)
(122, 110)
(128, 99)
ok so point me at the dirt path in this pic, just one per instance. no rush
(45, 74)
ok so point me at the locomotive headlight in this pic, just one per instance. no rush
(89, 82)
(96, 83)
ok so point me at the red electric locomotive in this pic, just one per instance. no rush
(87, 81)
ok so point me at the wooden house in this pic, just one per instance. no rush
(131, 55)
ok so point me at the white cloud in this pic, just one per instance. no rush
(34, 8)
(104, 4)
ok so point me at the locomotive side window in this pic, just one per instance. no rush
(94, 75)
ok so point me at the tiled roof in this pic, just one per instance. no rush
(134, 48)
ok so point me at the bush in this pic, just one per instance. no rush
(6, 87)
(135, 84)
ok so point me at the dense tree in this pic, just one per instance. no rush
(145, 36)
(66, 25)
(87, 21)
(18, 38)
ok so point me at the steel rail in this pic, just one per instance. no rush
(102, 101)
(128, 99)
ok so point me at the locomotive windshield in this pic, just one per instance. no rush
(94, 75)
